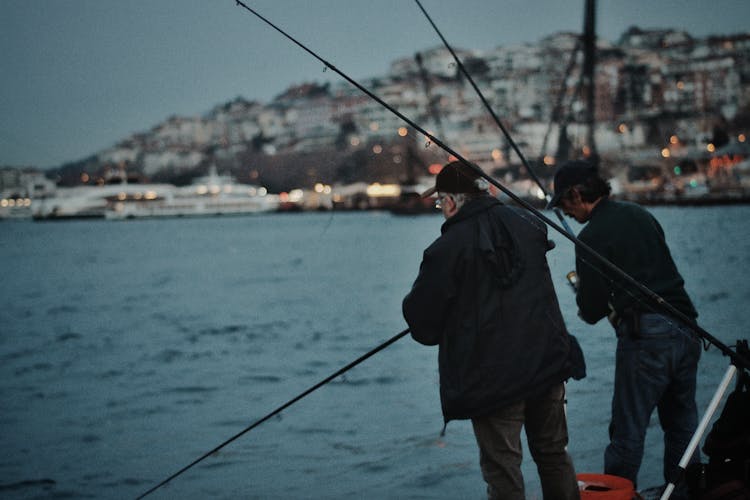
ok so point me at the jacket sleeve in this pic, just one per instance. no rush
(426, 306)
(593, 294)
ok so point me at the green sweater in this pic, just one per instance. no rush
(631, 239)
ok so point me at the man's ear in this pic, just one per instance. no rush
(450, 204)
(575, 195)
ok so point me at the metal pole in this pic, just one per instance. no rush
(713, 405)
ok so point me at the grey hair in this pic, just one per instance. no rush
(461, 198)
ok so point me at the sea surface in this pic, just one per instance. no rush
(129, 349)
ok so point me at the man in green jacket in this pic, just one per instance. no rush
(657, 354)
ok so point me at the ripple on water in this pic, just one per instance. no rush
(263, 379)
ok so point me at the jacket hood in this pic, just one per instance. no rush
(496, 245)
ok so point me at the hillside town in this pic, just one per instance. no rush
(667, 117)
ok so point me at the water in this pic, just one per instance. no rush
(129, 349)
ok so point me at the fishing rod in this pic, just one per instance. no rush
(465, 72)
(502, 127)
(278, 410)
(737, 358)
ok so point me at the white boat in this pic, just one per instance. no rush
(207, 196)
(92, 201)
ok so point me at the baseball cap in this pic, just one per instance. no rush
(456, 177)
(570, 173)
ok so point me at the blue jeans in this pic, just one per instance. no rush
(655, 368)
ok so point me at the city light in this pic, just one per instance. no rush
(378, 190)
(665, 153)
(377, 149)
(674, 140)
(403, 131)
(710, 148)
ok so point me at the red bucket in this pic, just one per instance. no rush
(605, 487)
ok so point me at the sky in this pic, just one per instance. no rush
(77, 76)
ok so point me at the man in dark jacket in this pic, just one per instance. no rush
(485, 296)
(657, 354)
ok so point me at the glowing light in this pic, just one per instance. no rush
(674, 140)
(665, 153)
(319, 187)
(150, 195)
(296, 195)
(84, 177)
(3, 203)
(549, 160)
(680, 85)
(586, 151)
(262, 191)
(435, 168)
(377, 149)
(374, 126)
(201, 189)
(354, 141)
(497, 155)
(215, 189)
(622, 128)
(741, 138)
(403, 131)
(121, 196)
(677, 170)
(710, 148)
(378, 190)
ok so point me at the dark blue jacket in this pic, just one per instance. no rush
(485, 296)
(629, 237)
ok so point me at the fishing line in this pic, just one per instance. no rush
(652, 296)
(491, 111)
(279, 409)
(658, 300)
(515, 147)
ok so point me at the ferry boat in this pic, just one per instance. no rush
(83, 202)
(208, 196)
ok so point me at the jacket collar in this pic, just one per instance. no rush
(470, 209)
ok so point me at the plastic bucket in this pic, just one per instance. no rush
(605, 487)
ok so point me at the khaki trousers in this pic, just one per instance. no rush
(500, 454)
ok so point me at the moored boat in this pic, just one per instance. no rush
(207, 196)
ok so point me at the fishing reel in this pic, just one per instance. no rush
(572, 278)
